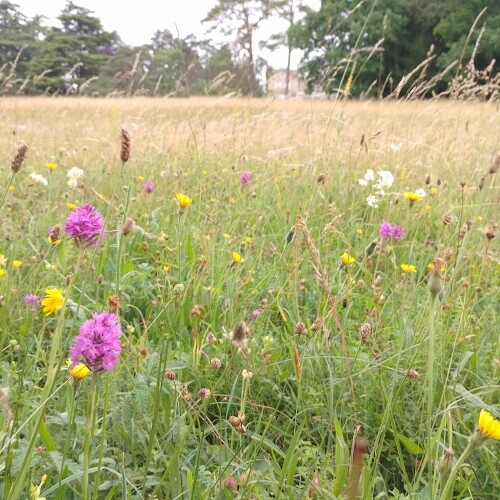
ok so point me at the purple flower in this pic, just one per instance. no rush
(397, 233)
(385, 230)
(85, 225)
(256, 313)
(149, 187)
(98, 343)
(246, 177)
(33, 301)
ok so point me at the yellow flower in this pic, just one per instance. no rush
(53, 300)
(237, 258)
(140, 178)
(11, 188)
(428, 207)
(248, 240)
(71, 206)
(2, 272)
(479, 218)
(347, 259)
(51, 166)
(434, 190)
(183, 200)
(488, 426)
(3, 260)
(412, 196)
(16, 264)
(359, 231)
(78, 371)
(204, 172)
(166, 268)
(227, 236)
(408, 268)
(231, 200)
(430, 266)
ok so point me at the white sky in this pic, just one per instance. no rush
(136, 22)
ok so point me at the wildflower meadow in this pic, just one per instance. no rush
(228, 298)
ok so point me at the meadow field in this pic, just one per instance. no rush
(227, 298)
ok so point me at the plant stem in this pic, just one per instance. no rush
(7, 189)
(430, 392)
(448, 488)
(88, 435)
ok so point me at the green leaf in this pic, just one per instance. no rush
(410, 445)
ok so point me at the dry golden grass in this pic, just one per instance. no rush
(451, 137)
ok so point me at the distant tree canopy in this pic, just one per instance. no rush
(350, 47)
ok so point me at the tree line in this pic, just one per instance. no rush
(381, 48)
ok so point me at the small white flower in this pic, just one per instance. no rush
(386, 179)
(246, 374)
(421, 192)
(370, 175)
(395, 147)
(75, 172)
(73, 183)
(363, 182)
(39, 178)
(372, 201)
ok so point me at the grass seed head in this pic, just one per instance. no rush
(494, 164)
(19, 157)
(125, 145)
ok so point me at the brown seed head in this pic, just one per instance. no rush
(428, 179)
(365, 331)
(215, 364)
(412, 374)
(494, 164)
(114, 304)
(128, 226)
(55, 234)
(19, 157)
(210, 338)
(231, 483)
(125, 145)
(491, 231)
(300, 328)
(170, 375)
(321, 178)
(204, 393)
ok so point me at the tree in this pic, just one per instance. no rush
(74, 52)
(243, 18)
(19, 35)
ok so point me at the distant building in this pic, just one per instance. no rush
(276, 84)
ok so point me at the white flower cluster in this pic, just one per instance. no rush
(74, 175)
(384, 180)
(39, 178)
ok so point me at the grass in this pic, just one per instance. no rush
(328, 413)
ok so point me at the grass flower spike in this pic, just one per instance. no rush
(97, 344)
(183, 200)
(85, 225)
(53, 300)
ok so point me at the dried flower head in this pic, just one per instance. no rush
(114, 304)
(204, 393)
(215, 364)
(97, 344)
(125, 145)
(19, 157)
(170, 375)
(321, 178)
(491, 231)
(449, 218)
(239, 336)
(238, 422)
(365, 331)
(300, 328)
(55, 234)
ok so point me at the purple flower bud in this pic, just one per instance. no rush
(385, 230)
(33, 301)
(149, 187)
(256, 313)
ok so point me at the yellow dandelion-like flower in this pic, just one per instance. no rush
(231, 200)
(408, 268)
(237, 258)
(347, 259)
(51, 166)
(488, 425)
(3, 260)
(140, 178)
(53, 300)
(183, 200)
(412, 196)
(479, 218)
(16, 264)
(428, 207)
(185, 174)
(2, 272)
(359, 231)
(248, 240)
(78, 371)
(70, 205)
(227, 236)
(11, 188)
(166, 268)
(434, 190)
(204, 172)
(430, 266)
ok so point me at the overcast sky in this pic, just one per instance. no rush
(136, 22)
